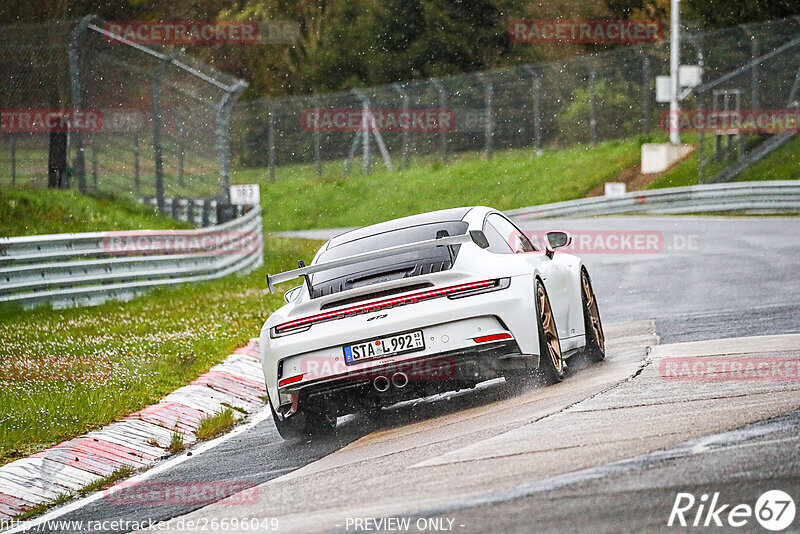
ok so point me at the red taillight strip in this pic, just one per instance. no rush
(292, 380)
(493, 337)
(383, 303)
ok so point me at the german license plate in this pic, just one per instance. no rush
(384, 346)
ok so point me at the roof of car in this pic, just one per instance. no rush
(452, 214)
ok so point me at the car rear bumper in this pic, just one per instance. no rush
(425, 375)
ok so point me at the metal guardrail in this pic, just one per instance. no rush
(89, 268)
(771, 197)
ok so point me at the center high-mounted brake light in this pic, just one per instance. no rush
(468, 288)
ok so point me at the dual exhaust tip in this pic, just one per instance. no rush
(382, 384)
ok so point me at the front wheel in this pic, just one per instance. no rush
(551, 363)
(595, 349)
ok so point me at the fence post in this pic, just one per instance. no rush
(366, 120)
(317, 142)
(158, 155)
(645, 92)
(399, 89)
(754, 72)
(442, 106)
(136, 152)
(488, 116)
(13, 159)
(271, 144)
(536, 91)
(224, 136)
(93, 144)
(593, 106)
(701, 137)
(76, 96)
(181, 150)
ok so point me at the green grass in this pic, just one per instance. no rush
(299, 199)
(783, 164)
(155, 344)
(53, 211)
(176, 443)
(682, 174)
(215, 425)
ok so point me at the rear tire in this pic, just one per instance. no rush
(551, 363)
(304, 424)
(595, 349)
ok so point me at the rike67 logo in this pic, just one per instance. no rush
(774, 510)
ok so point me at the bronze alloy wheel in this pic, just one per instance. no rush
(595, 338)
(551, 347)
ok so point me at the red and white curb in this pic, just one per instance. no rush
(139, 440)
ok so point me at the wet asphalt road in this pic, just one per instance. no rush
(641, 498)
(712, 278)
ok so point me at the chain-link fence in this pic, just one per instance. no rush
(756, 109)
(165, 117)
(584, 99)
(162, 118)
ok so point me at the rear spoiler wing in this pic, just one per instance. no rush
(305, 271)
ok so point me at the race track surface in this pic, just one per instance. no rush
(572, 456)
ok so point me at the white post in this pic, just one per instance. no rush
(674, 63)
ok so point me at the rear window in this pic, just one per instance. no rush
(395, 267)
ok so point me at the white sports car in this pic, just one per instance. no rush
(420, 305)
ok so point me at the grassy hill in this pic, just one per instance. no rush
(299, 199)
(52, 211)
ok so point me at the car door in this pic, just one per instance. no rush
(555, 274)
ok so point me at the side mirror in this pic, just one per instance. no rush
(292, 294)
(556, 239)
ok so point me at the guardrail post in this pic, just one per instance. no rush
(158, 155)
(271, 144)
(224, 136)
(442, 106)
(77, 96)
(404, 96)
(206, 212)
